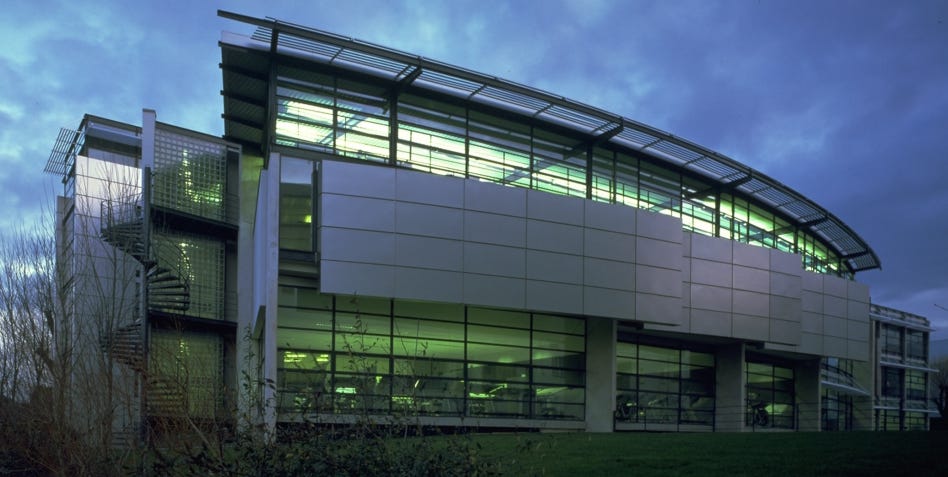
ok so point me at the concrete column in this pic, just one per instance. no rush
(730, 388)
(806, 376)
(600, 374)
(863, 413)
(258, 272)
(247, 361)
(270, 274)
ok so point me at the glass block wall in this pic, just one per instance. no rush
(190, 175)
(186, 373)
(201, 260)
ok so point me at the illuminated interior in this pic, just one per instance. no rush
(349, 355)
(443, 138)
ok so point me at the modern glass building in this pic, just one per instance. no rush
(380, 234)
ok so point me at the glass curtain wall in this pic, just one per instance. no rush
(660, 385)
(354, 119)
(296, 204)
(888, 420)
(836, 411)
(348, 356)
(916, 347)
(770, 396)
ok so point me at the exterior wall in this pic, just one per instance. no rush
(835, 318)
(403, 234)
(102, 300)
(741, 291)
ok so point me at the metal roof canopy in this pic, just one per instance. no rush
(393, 65)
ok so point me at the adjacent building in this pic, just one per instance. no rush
(146, 233)
(902, 369)
(380, 234)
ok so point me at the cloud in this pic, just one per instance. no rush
(844, 101)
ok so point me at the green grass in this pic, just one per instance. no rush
(724, 454)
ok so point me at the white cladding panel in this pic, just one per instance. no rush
(411, 235)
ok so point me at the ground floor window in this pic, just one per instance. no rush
(664, 385)
(898, 420)
(836, 411)
(916, 421)
(888, 420)
(349, 355)
(770, 395)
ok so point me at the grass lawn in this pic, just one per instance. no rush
(726, 454)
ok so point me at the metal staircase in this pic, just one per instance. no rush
(124, 344)
(166, 272)
(166, 267)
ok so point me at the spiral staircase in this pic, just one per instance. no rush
(166, 272)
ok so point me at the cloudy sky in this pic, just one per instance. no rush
(844, 101)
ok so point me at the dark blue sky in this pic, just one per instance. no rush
(844, 101)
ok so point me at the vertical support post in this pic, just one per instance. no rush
(393, 127)
(730, 387)
(271, 276)
(149, 118)
(600, 374)
(807, 387)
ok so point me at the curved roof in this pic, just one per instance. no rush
(245, 96)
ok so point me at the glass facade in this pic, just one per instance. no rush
(349, 355)
(890, 341)
(916, 388)
(902, 402)
(296, 204)
(770, 396)
(897, 420)
(836, 412)
(333, 115)
(916, 349)
(656, 384)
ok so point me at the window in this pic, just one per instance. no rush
(915, 346)
(348, 355)
(916, 387)
(770, 395)
(662, 385)
(891, 382)
(296, 204)
(836, 411)
(344, 117)
(891, 341)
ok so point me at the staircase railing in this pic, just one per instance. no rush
(167, 268)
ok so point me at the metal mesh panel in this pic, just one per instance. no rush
(190, 175)
(204, 265)
(187, 374)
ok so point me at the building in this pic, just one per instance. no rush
(404, 236)
(902, 368)
(162, 256)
